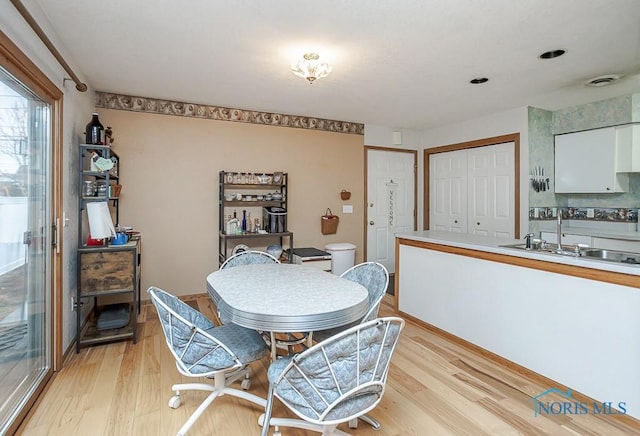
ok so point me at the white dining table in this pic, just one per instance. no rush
(286, 298)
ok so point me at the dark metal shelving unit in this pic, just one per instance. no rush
(250, 189)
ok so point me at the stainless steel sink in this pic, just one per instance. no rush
(535, 246)
(588, 253)
(611, 255)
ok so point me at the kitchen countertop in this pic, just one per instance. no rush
(493, 245)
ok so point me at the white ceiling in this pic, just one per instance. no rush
(400, 63)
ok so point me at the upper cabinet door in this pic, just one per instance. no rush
(585, 162)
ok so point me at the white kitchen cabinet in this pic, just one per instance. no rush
(628, 143)
(567, 238)
(585, 162)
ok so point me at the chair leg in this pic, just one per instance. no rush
(330, 430)
(218, 388)
(194, 417)
(267, 412)
(366, 418)
(244, 373)
(309, 339)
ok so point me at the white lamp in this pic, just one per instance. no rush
(100, 223)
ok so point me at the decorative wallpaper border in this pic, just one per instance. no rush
(617, 215)
(109, 100)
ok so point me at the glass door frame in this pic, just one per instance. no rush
(22, 68)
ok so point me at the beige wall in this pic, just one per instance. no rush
(169, 169)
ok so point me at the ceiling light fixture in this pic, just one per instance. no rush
(552, 54)
(479, 80)
(310, 67)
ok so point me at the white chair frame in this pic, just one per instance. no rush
(321, 423)
(222, 379)
(265, 258)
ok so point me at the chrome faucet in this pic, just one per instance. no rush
(559, 232)
(527, 239)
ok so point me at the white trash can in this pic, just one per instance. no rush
(343, 255)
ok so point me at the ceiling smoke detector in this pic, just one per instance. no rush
(603, 80)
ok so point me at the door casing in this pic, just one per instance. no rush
(21, 67)
(367, 148)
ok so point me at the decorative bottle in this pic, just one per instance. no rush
(244, 221)
(94, 131)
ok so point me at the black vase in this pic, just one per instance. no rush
(95, 131)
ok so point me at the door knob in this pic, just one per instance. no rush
(371, 223)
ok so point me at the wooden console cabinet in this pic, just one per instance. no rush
(109, 276)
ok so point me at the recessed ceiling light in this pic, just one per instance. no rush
(479, 80)
(552, 54)
(603, 80)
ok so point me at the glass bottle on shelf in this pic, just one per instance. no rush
(244, 221)
(94, 131)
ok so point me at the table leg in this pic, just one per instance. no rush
(274, 347)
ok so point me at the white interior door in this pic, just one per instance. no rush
(448, 191)
(473, 190)
(390, 202)
(491, 188)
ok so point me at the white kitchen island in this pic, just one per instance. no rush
(573, 320)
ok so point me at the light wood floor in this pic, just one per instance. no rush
(435, 387)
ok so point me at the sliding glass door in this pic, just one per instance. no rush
(25, 241)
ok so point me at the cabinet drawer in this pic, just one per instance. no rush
(106, 271)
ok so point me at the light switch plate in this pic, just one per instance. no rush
(590, 213)
(347, 208)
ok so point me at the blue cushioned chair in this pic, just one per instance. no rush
(248, 257)
(202, 350)
(335, 381)
(375, 278)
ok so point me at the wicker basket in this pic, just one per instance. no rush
(329, 223)
(116, 190)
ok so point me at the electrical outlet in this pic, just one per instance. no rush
(590, 213)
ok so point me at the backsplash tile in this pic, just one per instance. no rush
(619, 215)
